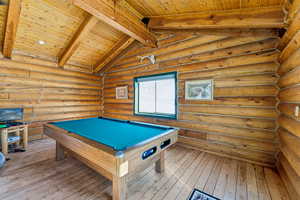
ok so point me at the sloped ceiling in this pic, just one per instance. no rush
(56, 21)
(164, 7)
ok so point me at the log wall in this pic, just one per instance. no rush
(289, 96)
(47, 92)
(241, 120)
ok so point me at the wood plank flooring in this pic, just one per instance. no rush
(35, 175)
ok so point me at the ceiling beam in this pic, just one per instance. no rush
(120, 46)
(118, 17)
(268, 17)
(81, 33)
(236, 32)
(12, 21)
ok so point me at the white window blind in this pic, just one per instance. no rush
(156, 95)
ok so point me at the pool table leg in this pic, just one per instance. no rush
(60, 152)
(119, 188)
(160, 164)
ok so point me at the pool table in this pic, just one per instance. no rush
(114, 148)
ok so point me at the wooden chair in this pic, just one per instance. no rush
(11, 135)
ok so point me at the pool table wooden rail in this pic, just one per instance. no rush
(82, 146)
(105, 160)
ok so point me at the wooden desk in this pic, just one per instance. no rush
(20, 129)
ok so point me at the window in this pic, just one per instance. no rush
(156, 95)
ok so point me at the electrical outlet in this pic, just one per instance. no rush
(297, 111)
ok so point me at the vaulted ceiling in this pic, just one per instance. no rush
(166, 7)
(73, 32)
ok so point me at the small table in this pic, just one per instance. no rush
(113, 148)
(18, 129)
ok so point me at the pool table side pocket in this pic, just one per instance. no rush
(134, 156)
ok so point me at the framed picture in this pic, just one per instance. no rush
(199, 90)
(122, 92)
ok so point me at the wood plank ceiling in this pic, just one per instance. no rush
(151, 8)
(73, 36)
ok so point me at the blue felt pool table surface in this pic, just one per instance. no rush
(117, 134)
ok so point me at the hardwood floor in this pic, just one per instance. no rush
(35, 175)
